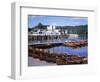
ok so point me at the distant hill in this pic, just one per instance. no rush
(74, 29)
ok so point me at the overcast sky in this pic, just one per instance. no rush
(56, 20)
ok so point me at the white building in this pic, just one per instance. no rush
(51, 30)
(71, 36)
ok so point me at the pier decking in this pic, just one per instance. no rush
(44, 43)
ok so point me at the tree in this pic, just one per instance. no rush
(40, 26)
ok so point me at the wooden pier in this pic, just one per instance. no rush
(44, 37)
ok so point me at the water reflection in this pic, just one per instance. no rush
(68, 50)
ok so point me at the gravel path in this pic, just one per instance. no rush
(37, 62)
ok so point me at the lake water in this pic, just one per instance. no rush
(82, 51)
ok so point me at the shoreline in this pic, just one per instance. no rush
(58, 58)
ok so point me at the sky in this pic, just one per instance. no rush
(33, 20)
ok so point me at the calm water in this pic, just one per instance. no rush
(75, 51)
(81, 51)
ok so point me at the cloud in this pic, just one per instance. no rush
(78, 18)
(36, 16)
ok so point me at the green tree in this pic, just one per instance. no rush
(40, 26)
